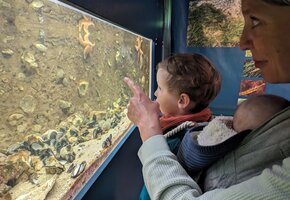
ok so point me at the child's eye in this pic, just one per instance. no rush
(255, 22)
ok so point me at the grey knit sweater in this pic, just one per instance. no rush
(166, 179)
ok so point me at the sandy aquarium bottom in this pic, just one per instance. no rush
(58, 163)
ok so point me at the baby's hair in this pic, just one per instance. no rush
(194, 75)
(251, 113)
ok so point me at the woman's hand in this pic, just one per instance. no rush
(143, 112)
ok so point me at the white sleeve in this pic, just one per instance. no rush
(166, 179)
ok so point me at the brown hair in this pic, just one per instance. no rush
(194, 75)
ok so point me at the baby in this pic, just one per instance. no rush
(256, 110)
(198, 151)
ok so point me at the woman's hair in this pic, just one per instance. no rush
(194, 75)
(278, 2)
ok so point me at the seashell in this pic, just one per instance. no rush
(71, 167)
(97, 132)
(58, 147)
(35, 148)
(83, 88)
(62, 130)
(52, 142)
(81, 139)
(94, 117)
(73, 132)
(40, 47)
(107, 142)
(68, 147)
(64, 141)
(84, 134)
(50, 134)
(59, 135)
(45, 153)
(14, 148)
(72, 140)
(37, 4)
(91, 124)
(62, 162)
(70, 157)
(78, 169)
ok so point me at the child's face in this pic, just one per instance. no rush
(168, 100)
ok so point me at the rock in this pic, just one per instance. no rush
(28, 104)
(40, 47)
(66, 107)
(7, 53)
(59, 76)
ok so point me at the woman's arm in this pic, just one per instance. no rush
(166, 179)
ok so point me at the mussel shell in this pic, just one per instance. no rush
(70, 168)
(78, 169)
(85, 133)
(73, 132)
(97, 132)
(91, 124)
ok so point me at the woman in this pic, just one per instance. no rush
(266, 34)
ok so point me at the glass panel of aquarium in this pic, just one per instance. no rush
(62, 96)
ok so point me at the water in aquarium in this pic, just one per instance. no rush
(62, 96)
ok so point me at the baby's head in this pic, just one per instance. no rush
(190, 75)
(253, 112)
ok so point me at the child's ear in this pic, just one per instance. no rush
(184, 101)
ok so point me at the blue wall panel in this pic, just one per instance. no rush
(229, 61)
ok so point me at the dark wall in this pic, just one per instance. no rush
(122, 178)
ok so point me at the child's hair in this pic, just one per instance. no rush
(194, 75)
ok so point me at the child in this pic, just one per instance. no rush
(187, 83)
(218, 137)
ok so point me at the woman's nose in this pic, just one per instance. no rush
(245, 41)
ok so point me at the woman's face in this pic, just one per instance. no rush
(267, 35)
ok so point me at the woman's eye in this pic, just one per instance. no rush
(255, 21)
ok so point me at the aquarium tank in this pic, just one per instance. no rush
(62, 96)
